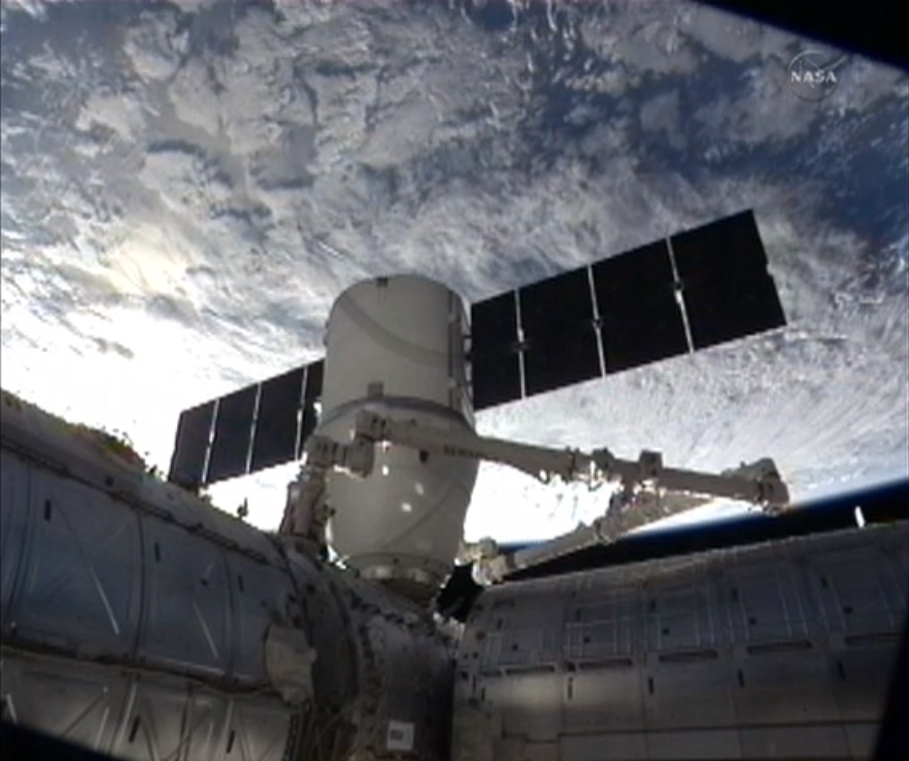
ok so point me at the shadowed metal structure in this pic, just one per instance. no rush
(140, 622)
(776, 650)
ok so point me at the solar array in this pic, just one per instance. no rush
(688, 292)
(694, 290)
(259, 426)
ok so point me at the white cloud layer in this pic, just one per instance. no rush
(186, 188)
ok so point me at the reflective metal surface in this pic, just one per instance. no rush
(777, 650)
(140, 622)
(395, 345)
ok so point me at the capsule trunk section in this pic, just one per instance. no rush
(139, 621)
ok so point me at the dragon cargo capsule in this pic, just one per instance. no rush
(396, 345)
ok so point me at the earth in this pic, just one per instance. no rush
(187, 186)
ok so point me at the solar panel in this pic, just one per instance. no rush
(642, 319)
(311, 396)
(254, 428)
(494, 351)
(233, 433)
(696, 289)
(727, 289)
(187, 465)
(278, 420)
(560, 336)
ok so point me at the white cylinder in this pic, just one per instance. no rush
(396, 346)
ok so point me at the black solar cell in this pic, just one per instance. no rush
(277, 420)
(557, 320)
(728, 292)
(494, 352)
(233, 433)
(188, 462)
(641, 317)
(727, 309)
(729, 246)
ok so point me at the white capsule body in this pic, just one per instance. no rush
(396, 346)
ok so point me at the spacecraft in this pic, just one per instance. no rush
(142, 623)
(407, 365)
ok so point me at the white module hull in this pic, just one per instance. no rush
(396, 345)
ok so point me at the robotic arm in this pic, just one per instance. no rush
(758, 482)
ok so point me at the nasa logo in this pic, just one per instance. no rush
(812, 75)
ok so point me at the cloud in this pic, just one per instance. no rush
(187, 189)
